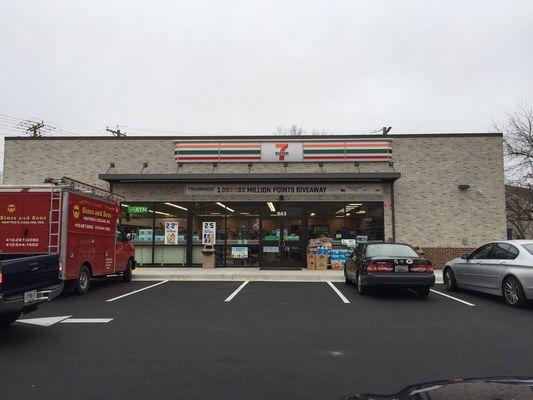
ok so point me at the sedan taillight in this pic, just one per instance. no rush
(379, 266)
(422, 267)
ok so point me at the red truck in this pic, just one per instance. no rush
(75, 220)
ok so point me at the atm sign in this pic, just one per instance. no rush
(137, 209)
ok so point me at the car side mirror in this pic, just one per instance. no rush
(465, 256)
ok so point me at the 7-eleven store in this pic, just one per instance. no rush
(267, 200)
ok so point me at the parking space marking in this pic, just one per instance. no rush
(231, 296)
(136, 291)
(343, 298)
(86, 321)
(453, 298)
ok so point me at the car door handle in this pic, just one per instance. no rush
(503, 262)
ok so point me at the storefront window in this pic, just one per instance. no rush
(136, 219)
(278, 232)
(242, 235)
(327, 220)
(364, 219)
(170, 234)
(209, 212)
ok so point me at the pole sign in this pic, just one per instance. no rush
(137, 209)
(209, 230)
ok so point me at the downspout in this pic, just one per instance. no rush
(393, 212)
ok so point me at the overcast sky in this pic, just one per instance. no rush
(249, 66)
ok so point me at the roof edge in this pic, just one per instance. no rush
(267, 137)
(290, 177)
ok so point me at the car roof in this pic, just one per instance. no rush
(514, 241)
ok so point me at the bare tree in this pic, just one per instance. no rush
(295, 130)
(292, 131)
(518, 145)
(518, 148)
(519, 203)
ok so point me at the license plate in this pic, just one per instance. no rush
(30, 297)
(401, 268)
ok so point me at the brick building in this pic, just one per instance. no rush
(269, 195)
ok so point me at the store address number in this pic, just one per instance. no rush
(281, 213)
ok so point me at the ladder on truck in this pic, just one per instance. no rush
(54, 234)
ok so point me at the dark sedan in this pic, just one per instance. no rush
(389, 265)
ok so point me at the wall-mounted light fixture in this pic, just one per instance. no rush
(145, 165)
(111, 165)
(463, 187)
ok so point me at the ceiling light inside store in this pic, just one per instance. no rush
(161, 213)
(347, 214)
(244, 213)
(271, 206)
(125, 205)
(226, 207)
(312, 214)
(176, 206)
(213, 213)
(355, 204)
(361, 212)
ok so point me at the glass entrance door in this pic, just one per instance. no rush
(281, 236)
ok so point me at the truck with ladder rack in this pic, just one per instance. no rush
(77, 221)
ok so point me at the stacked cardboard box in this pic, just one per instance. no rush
(318, 253)
(322, 261)
(311, 261)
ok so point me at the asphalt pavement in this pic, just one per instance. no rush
(271, 340)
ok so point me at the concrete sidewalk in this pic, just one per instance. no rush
(241, 274)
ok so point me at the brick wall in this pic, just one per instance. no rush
(431, 211)
(440, 255)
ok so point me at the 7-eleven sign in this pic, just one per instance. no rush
(282, 151)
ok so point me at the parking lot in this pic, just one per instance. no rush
(257, 340)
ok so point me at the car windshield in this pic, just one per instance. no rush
(528, 247)
(390, 250)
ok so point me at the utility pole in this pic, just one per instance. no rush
(34, 130)
(116, 133)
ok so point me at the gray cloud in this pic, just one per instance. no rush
(249, 66)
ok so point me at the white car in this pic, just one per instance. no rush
(503, 268)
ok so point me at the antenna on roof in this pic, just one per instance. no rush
(116, 132)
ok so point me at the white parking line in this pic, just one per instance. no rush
(136, 291)
(343, 298)
(231, 296)
(453, 298)
(86, 321)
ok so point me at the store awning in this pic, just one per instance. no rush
(290, 177)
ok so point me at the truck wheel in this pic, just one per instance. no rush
(8, 319)
(84, 280)
(126, 275)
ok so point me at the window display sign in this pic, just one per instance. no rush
(349, 242)
(171, 232)
(239, 252)
(209, 230)
(270, 249)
